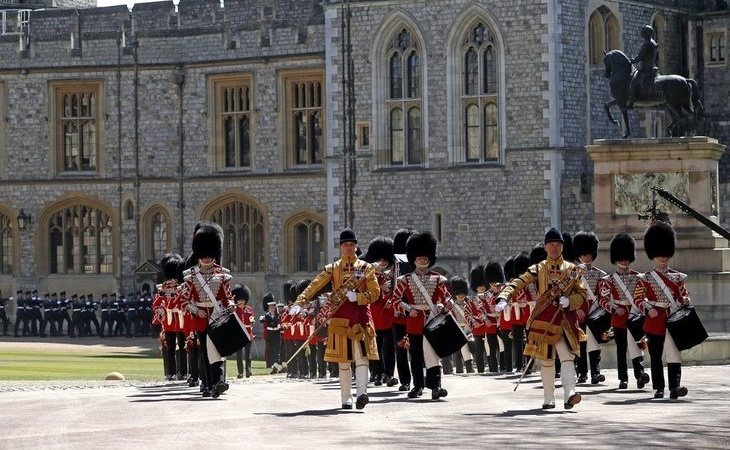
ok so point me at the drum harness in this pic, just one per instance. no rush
(665, 289)
(620, 283)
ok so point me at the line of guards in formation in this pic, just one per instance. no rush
(128, 316)
(506, 314)
(496, 308)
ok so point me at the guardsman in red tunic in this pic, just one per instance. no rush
(207, 289)
(504, 324)
(492, 310)
(615, 294)
(422, 295)
(560, 290)
(476, 317)
(520, 311)
(400, 336)
(660, 293)
(459, 289)
(380, 255)
(245, 312)
(166, 308)
(585, 247)
(351, 334)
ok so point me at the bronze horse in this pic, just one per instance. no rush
(679, 95)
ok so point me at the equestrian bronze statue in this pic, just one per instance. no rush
(643, 87)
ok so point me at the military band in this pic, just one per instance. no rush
(371, 313)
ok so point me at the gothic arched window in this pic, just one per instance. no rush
(604, 34)
(243, 236)
(6, 244)
(80, 241)
(479, 97)
(404, 94)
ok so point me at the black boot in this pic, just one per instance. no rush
(218, 380)
(469, 366)
(642, 378)
(595, 360)
(675, 380)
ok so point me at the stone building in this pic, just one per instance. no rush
(124, 128)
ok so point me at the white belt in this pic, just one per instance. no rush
(659, 304)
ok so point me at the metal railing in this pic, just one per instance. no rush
(15, 21)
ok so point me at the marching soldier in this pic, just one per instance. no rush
(241, 295)
(4, 315)
(34, 307)
(130, 307)
(421, 295)
(47, 316)
(56, 320)
(585, 247)
(92, 307)
(76, 323)
(206, 283)
(400, 338)
(492, 310)
(272, 337)
(560, 290)
(616, 296)
(520, 312)
(475, 316)
(105, 315)
(64, 305)
(459, 289)
(660, 292)
(20, 316)
(351, 335)
(380, 255)
(170, 316)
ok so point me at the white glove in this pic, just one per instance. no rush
(352, 296)
(500, 306)
(295, 310)
(564, 302)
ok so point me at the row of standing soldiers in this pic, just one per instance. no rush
(81, 315)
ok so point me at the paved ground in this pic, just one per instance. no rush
(271, 412)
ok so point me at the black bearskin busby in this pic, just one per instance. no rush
(538, 254)
(521, 264)
(241, 293)
(659, 240)
(400, 239)
(421, 244)
(291, 296)
(568, 252)
(477, 278)
(493, 273)
(381, 247)
(208, 241)
(623, 248)
(301, 286)
(458, 286)
(509, 268)
(170, 265)
(585, 243)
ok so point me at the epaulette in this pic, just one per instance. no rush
(159, 287)
(329, 268)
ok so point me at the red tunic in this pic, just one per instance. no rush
(411, 298)
(381, 312)
(474, 314)
(649, 290)
(193, 295)
(245, 313)
(520, 302)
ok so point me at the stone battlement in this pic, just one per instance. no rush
(258, 24)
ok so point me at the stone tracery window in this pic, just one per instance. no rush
(80, 241)
(6, 244)
(243, 236)
(604, 34)
(308, 246)
(479, 97)
(405, 121)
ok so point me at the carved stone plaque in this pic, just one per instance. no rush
(633, 195)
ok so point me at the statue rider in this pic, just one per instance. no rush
(646, 61)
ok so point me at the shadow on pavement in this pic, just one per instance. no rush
(313, 412)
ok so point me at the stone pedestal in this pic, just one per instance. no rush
(625, 171)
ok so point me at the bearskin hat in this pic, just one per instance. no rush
(585, 243)
(268, 298)
(381, 247)
(301, 286)
(241, 293)
(521, 263)
(477, 278)
(568, 251)
(537, 254)
(509, 268)
(401, 239)
(421, 244)
(659, 240)
(623, 248)
(493, 273)
(170, 265)
(291, 295)
(458, 286)
(208, 241)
